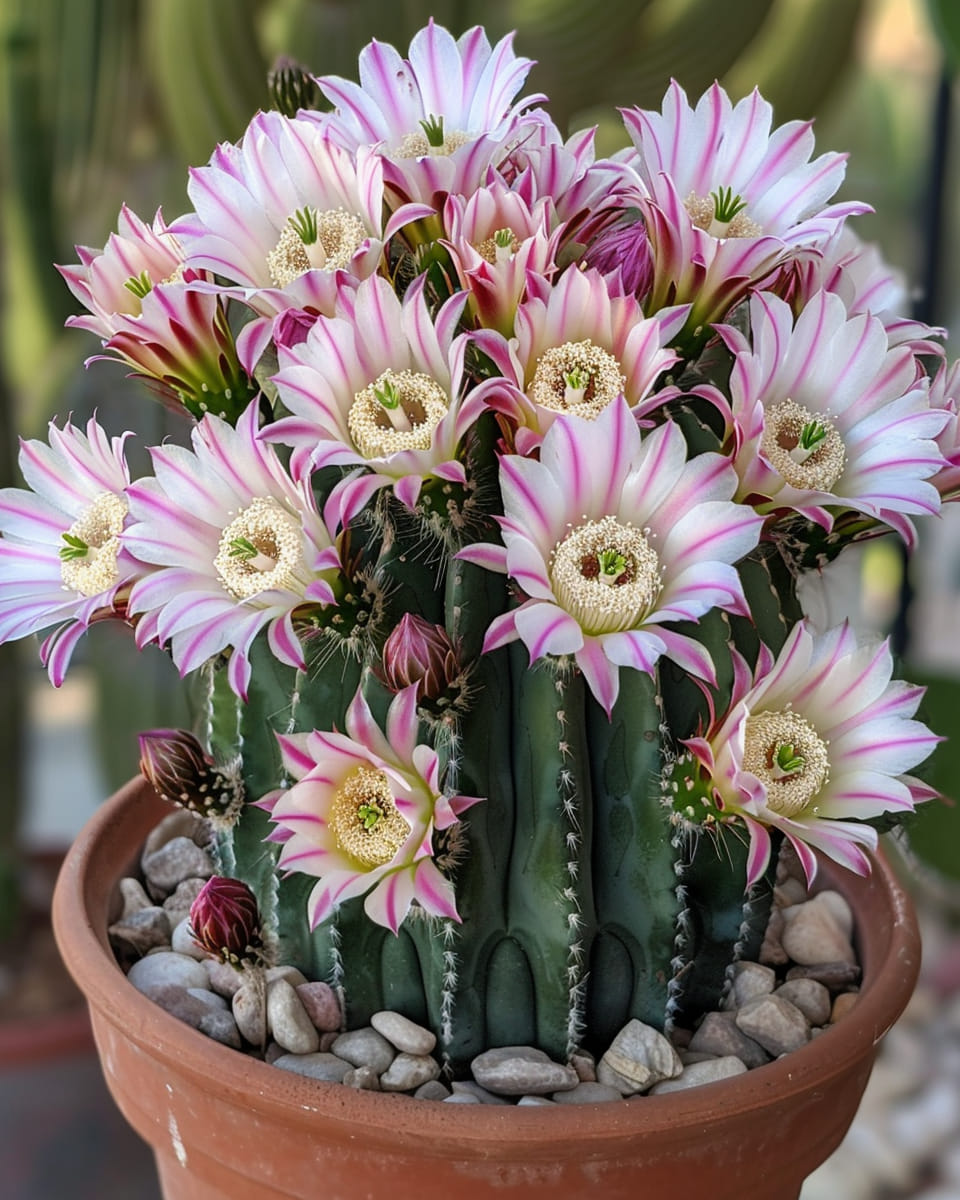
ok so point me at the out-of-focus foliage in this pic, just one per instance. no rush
(945, 18)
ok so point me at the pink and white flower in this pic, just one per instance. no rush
(377, 386)
(61, 559)
(576, 350)
(945, 398)
(612, 538)
(729, 201)
(814, 744)
(282, 212)
(439, 118)
(824, 416)
(236, 546)
(364, 814)
(113, 281)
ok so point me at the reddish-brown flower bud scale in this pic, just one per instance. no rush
(422, 653)
(225, 921)
(174, 762)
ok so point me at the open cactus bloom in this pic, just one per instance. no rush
(500, 468)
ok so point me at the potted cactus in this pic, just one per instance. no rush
(481, 552)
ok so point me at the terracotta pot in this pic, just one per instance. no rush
(226, 1126)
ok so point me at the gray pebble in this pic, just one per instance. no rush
(165, 967)
(460, 1098)
(408, 1071)
(179, 1003)
(534, 1101)
(521, 1070)
(326, 1067)
(775, 1023)
(181, 823)
(839, 909)
(289, 1023)
(250, 1012)
(365, 1048)
(585, 1065)
(433, 1089)
(474, 1089)
(224, 979)
(812, 935)
(810, 996)
(180, 858)
(140, 932)
(837, 976)
(221, 1026)
(719, 1035)
(177, 904)
(182, 941)
(293, 975)
(362, 1078)
(133, 896)
(695, 1074)
(403, 1033)
(588, 1093)
(638, 1057)
(749, 980)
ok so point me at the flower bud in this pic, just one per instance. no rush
(181, 773)
(421, 653)
(623, 256)
(225, 921)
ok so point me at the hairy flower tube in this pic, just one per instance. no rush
(815, 743)
(62, 563)
(364, 813)
(612, 538)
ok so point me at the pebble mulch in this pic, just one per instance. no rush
(806, 979)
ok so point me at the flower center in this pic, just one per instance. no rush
(606, 575)
(431, 140)
(364, 818)
(88, 557)
(803, 447)
(398, 411)
(722, 214)
(327, 240)
(260, 550)
(578, 378)
(789, 758)
(500, 247)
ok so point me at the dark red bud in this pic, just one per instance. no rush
(225, 920)
(421, 653)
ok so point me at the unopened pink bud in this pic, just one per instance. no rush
(225, 921)
(181, 773)
(421, 653)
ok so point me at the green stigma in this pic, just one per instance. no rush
(812, 433)
(577, 379)
(787, 760)
(612, 564)
(388, 394)
(140, 284)
(726, 204)
(304, 224)
(369, 815)
(433, 131)
(76, 547)
(241, 547)
(503, 238)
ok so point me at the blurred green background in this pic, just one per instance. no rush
(108, 101)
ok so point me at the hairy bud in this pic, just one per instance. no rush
(422, 653)
(174, 762)
(225, 921)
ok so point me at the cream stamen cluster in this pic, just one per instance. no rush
(606, 575)
(576, 377)
(332, 239)
(398, 411)
(708, 214)
(789, 758)
(365, 820)
(803, 447)
(260, 550)
(88, 559)
(418, 145)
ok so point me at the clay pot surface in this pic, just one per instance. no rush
(223, 1125)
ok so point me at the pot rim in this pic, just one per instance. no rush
(889, 948)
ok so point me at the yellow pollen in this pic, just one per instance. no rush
(702, 210)
(420, 404)
(495, 252)
(261, 550)
(576, 377)
(606, 575)
(816, 469)
(94, 570)
(416, 145)
(339, 235)
(364, 818)
(789, 758)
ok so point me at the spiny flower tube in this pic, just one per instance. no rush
(61, 559)
(236, 546)
(439, 118)
(728, 198)
(577, 349)
(612, 538)
(113, 281)
(364, 813)
(824, 417)
(377, 386)
(814, 744)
